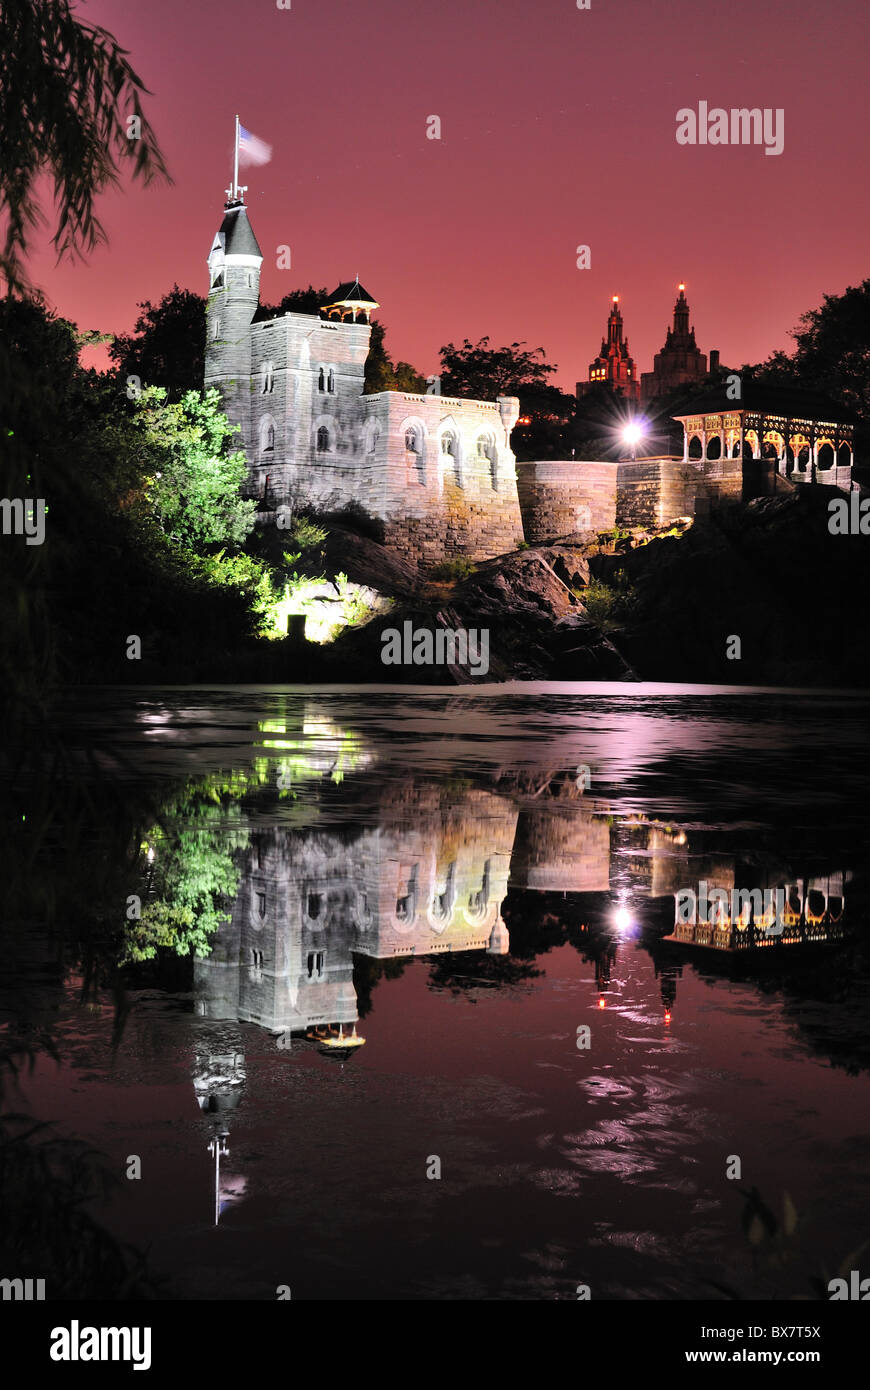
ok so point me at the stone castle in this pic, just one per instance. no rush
(436, 477)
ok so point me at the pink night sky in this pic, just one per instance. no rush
(558, 129)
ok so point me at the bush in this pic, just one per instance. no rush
(460, 567)
(305, 533)
(608, 605)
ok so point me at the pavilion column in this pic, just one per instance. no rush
(685, 444)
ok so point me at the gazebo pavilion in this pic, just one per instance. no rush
(806, 438)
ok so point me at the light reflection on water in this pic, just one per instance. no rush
(604, 1165)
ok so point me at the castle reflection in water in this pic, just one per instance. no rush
(425, 869)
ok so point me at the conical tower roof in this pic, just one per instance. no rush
(236, 235)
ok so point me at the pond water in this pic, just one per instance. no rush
(549, 1094)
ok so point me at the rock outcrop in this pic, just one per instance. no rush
(769, 574)
(537, 627)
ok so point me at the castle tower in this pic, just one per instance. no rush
(680, 361)
(614, 367)
(234, 288)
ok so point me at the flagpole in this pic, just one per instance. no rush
(236, 163)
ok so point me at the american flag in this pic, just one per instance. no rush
(252, 150)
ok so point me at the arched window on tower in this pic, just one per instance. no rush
(479, 902)
(268, 377)
(215, 329)
(414, 451)
(322, 440)
(321, 379)
(442, 903)
(486, 452)
(267, 436)
(450, 450)
(406, 898)
(330, 380)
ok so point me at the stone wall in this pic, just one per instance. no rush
(722, 481)
(565, 497)
(560, 497)
(652, 492)
(306, 384)
(436, 504)
(561, 851)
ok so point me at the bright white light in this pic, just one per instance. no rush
(622, 918)
(632, 433)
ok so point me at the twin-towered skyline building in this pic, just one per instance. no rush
(679, 363)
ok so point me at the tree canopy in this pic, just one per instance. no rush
(480, 372)
(832, 351)
(382, 374)
(167, 345)
(70, 108)
(195, 493)
(297, 302)
(193, 874)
